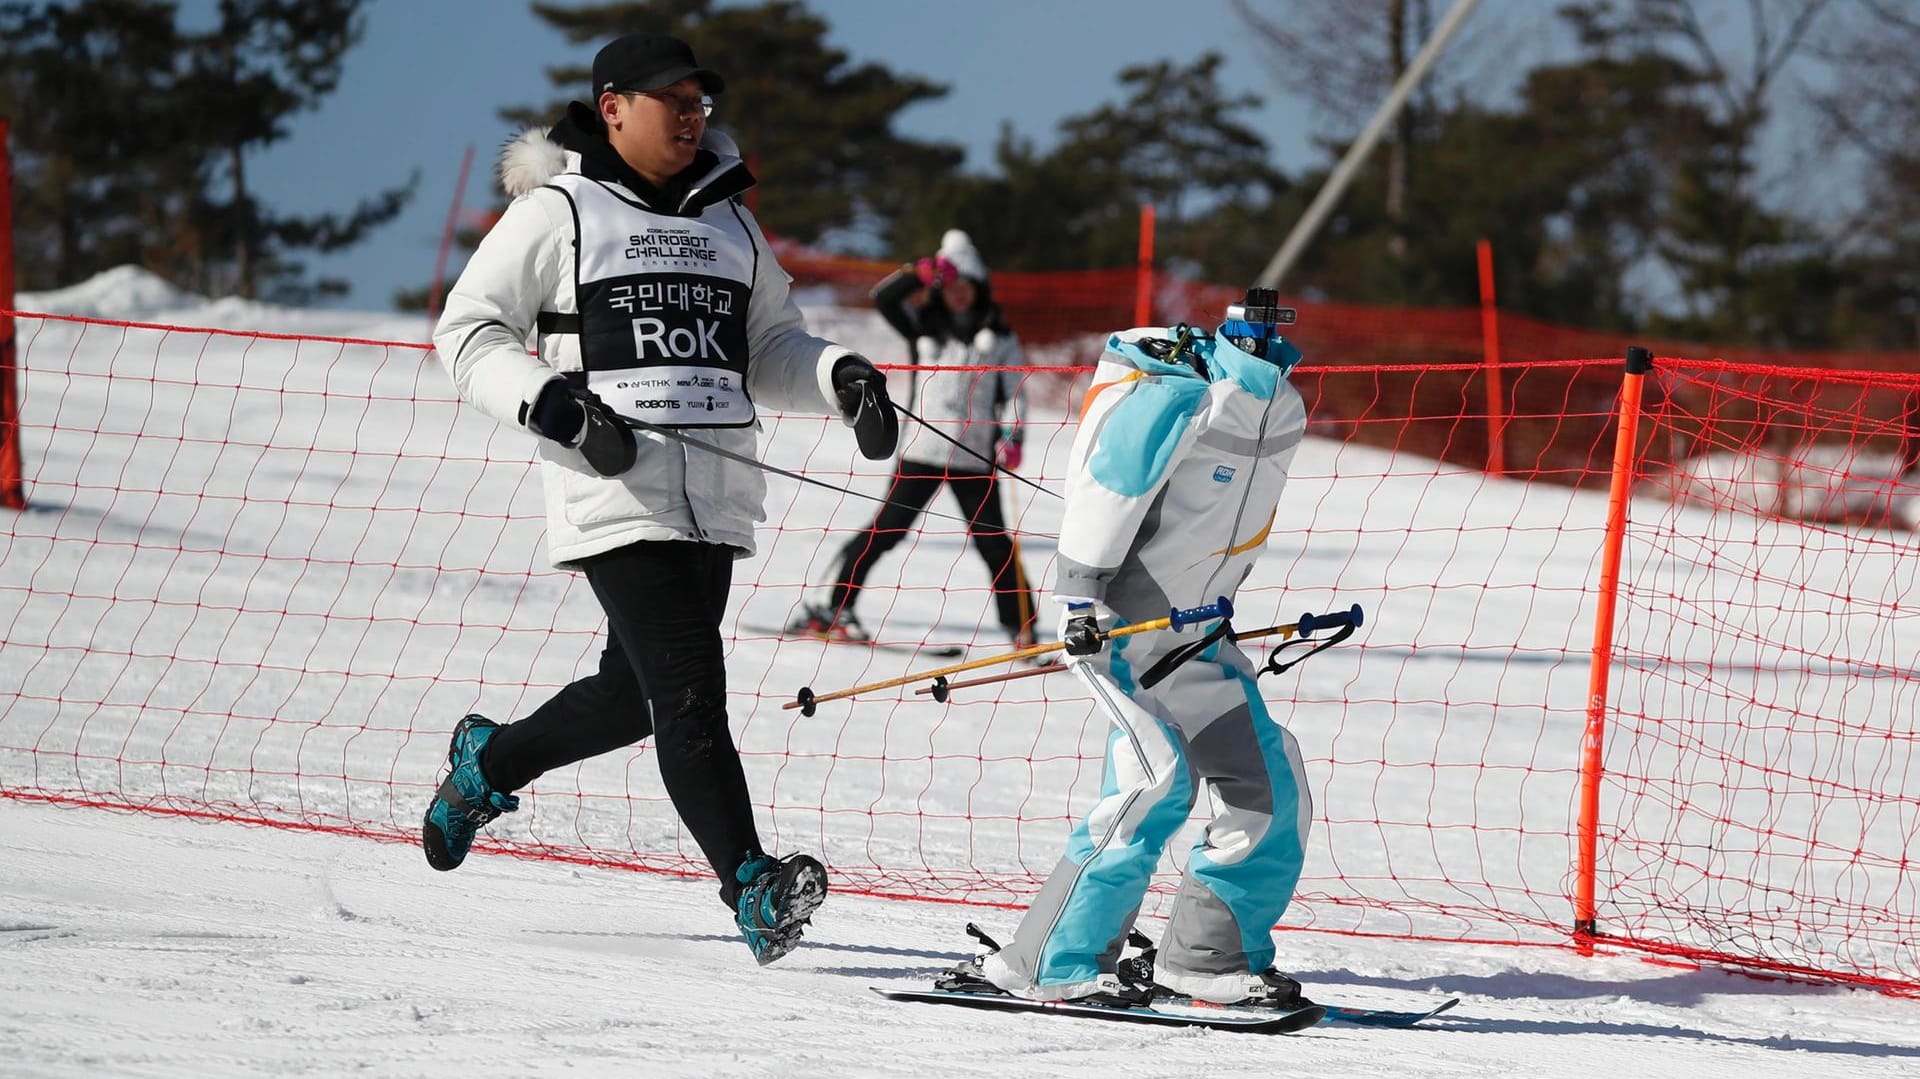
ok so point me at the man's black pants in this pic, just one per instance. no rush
(662, 673)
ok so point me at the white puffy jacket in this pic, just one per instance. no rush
(524, 266)
(966, 406)
(1176, 476)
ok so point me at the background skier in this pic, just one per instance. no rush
(943, 305)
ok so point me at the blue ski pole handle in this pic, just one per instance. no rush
(1346, 622)
(1354, 617)
(1206, 612)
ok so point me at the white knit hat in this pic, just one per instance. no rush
(957, 247)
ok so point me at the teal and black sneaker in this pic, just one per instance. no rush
(464, 802)
(777, 900)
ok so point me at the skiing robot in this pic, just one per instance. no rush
(1182, 452)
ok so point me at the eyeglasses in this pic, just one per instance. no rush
(681, 106)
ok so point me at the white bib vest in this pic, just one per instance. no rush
(663, 308)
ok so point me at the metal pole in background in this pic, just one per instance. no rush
(13, 492)
(1336, 185)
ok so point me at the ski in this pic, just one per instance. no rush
(1240, 1020)
(933, 651)
(1381, 1017)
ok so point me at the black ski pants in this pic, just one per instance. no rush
(663, 674)
(914, 485)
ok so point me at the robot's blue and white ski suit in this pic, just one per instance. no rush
(1173, 490)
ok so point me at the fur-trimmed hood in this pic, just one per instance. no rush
(536, 155)
(530, 159)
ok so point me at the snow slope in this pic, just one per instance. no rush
(139, 945)
(153, 945)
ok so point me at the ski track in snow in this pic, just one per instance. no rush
(157, 946)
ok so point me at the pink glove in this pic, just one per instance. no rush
(924, 270)
(1010, 454)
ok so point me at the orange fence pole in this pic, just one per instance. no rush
(1585, 929)
(1490, 346)
(13, 491)
(1143, 287)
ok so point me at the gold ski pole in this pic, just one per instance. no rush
(807, 699)
(941, 688)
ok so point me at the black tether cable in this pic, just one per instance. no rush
(668, 432)
(964, 448)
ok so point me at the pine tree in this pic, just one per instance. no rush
(87, 193)
(1176, 139)
(132, 138)
(264, 61)
(815, 126)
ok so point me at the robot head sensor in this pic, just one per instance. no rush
(1255, 321)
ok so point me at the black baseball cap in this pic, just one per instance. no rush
(648, 62)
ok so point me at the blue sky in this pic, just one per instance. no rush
(428, 78)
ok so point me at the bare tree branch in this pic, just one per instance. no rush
(1336, 53)
(1331, 53)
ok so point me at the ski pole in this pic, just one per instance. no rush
(1351, 618)
(941, 687)
(1307, 624)
(1176, 619)
(1345, 621)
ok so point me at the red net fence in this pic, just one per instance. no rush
(1761, 796)
(259, 577)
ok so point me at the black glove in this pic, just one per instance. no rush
(865, 406)
(1081, 635)
(573, 416)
